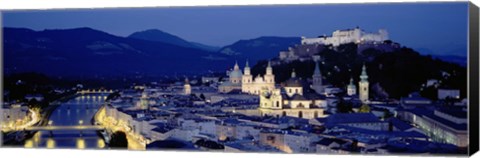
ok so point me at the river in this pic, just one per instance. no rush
(76, 111)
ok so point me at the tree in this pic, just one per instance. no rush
(449, 101)
(387, 114)
(33, 103)
(344, 106)
(118, 140)
(112, 96)
(364, 109)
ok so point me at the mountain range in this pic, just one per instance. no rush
(160, 36)
(85, 51)
(89, 52)
(259, 48)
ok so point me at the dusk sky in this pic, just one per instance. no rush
(440, 28)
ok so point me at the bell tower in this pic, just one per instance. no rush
(363, 85)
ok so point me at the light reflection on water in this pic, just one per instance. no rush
(80, 143)
(84, 107)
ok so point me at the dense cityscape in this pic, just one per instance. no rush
(301, 101)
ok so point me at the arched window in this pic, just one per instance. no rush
(300, 105)
(284, 113)
(300, 114)
(315, 114)
(278, 104)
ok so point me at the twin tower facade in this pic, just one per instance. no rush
(246, 82)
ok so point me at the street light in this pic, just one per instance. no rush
(80, 122)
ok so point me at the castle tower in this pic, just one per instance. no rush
(317, 79)
(269, 77)
(363, 85)
(187, 89)
(351, 88)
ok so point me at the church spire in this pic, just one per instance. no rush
(364, 76)
(293, 73)
(317, 69)
(364, 85)
(246, 70)
(236, 67)
(269, 69)
(317, 79)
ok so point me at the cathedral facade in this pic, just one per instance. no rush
(293, 100)
(246, 82)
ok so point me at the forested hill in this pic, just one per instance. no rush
(393, 74)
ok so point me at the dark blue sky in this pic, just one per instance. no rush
(437, 28)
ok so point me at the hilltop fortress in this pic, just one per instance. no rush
(355, 35)
(310, 47)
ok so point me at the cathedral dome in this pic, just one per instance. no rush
(236, 74)
(293, 82)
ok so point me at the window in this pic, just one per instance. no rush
(300, 114)
(278, 104)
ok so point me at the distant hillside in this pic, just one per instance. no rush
(397, 73)
(160, 36)
(460, 60)
(259, 48)
(87, 52)
(457, 56)
(206, 47)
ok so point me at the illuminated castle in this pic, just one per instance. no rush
(355, 35)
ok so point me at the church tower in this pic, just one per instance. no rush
(317, 79)
(187, 89)
(351, 88)
(247, 79)
(363, 85)
(269, 77)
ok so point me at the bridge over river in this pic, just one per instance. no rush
(71, 118)
(66, 128)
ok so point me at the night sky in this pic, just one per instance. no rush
(435, 28)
